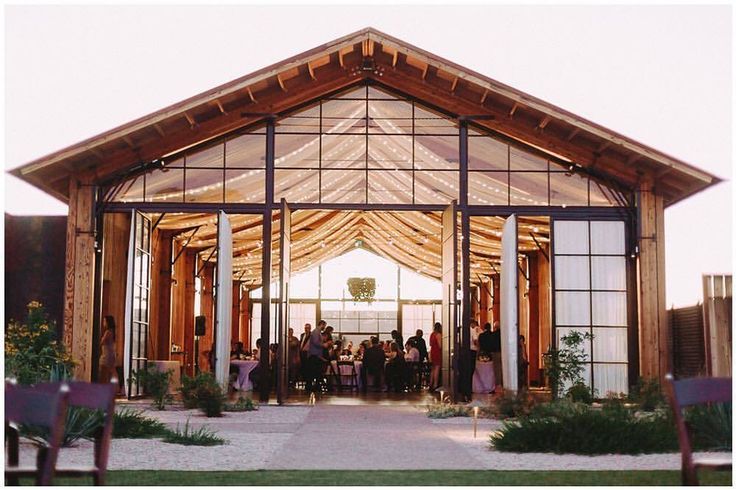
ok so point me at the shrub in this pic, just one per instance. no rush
(132, 424)
(242, 405)
(512, 405)
(155, 383)
(81, 423)
(193, 437)
(203, 392)
(32, 351)
(565, 365)
(711, 426)
(443, 411)
(648, 394)
(579, 392)
(584, 430)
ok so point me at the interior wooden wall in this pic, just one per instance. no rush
(160, 309)
(544, 282)
(717, 322)
(207, 308)
(532, 341)
(115, 273)
(496, 307)
(235, 314)
(245, 319)
(182, 307)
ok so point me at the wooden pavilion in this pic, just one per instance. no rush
(368, 140)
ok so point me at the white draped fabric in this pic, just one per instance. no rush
(223, 327)
(509, 306)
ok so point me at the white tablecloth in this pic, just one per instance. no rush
(484, 379)
(346, 373)
(174, 367)
(243, 382)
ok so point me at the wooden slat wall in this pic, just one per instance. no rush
(114, 274)
(532, 341)
(245, 320)
(79, 279)
(235, 323)
(653, 338)
(717, 320)
(686, 325)
(545, 303)
(182, 307)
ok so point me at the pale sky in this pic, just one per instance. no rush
(659, 74)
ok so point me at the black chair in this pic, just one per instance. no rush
(696, 391)
(46, 410)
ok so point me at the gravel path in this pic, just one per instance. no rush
(340, 437)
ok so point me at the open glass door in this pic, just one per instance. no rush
(510, 305)
(282, 373)
(449, 299)
(136, 301)
(224, 291)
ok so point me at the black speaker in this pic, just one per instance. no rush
(199, 325)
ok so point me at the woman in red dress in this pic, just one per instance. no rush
(435, 356)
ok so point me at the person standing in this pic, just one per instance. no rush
(396, 337)
(107, 350)
(304, 350)
(315, 351)
(470, 368)
(294, 356)
(435, 356)
(421, 345)
(523, 364)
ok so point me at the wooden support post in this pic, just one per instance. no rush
(160, 314)
(207, 308)
(245, 319)
(544, 280)
(79, 278)
(235, 324)
(485, 300)
(654, 352)
(534, 325)
(496, 308)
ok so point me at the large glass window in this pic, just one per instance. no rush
(591, 296)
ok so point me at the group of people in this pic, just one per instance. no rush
(385, 363)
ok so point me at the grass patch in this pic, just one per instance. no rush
(193, 437)
(443, 411)
(129, 423)
(396, 478)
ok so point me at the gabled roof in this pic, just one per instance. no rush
(367, 54)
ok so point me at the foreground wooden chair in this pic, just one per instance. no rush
(696, 391)
(92, 396)
(43, 409)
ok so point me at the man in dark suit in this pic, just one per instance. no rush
(421, 344)
(485, 341)
(373, 363)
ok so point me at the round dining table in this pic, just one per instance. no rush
(243, 382)
(484, 379)
(346, 373)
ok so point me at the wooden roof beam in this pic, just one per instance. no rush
(454, 85)
(572, 134)
(311, 70)
(190, 119)
(543, 123)
(484, 97)
(128, 141)
(513, 110)
(159, 130)
(281, 82)
(219, 106)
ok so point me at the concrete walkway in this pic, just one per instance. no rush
(370, 437)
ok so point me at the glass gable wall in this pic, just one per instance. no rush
(367, 146)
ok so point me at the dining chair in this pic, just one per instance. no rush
(92, 396)
(689, 392)
(28, 406)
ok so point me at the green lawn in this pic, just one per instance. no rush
(394, 477)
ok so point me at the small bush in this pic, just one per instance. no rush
(155, 383)
(132, 424)
(203, 392)
(444, 411)
(193, 437)
(242, 405)
(81, 423)
(579, 392)
(512, 405)
(32, 352)
(583, 430)
(711, 426)
(647, 393)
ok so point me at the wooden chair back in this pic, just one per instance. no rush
(689, 392)
(92, 396)
(44, 409)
